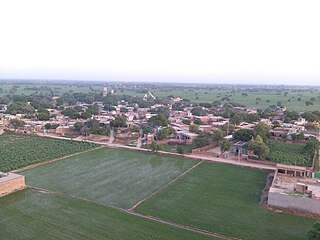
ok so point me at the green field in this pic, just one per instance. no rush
(19, 150)
(109, 176)
(224, 199)
(33, 215)
(267, 96)
(288, 153)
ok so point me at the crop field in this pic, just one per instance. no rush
(31, 215)
(259, 98)
(109, 176)
(224, 199)
(291, 154)
(19, 150)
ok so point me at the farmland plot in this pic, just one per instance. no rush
(33, 215)
(109, 176)
(224, 199)
(19, 150)
(291, 154)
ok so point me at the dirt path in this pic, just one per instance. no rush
(53, 160)
(164, 186)
(191, 156)
(147, 217)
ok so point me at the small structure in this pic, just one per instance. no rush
(294, 171)
(11, 182)
(239, 148)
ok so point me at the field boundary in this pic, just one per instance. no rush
(147, 217)
(164, 186)
(53, 160)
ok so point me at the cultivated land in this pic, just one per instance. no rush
(289, 153)
(78, 190)
(33, 215)
(224, 199)
(19, 150)
(109, 176)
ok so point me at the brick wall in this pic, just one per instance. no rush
(12, 185)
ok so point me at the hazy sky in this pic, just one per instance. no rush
(274, 41)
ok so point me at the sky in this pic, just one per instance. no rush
(229, 41)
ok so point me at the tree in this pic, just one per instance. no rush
(243, 135)
(297, 137)
(86, 115)
(225, 145)
(78, 126)
(154, 146)
(276, 124)
(146, 129)
(119, 121)
(194, 128)
(85, 130)
(186, 121)
(158, 120)
(198, 111)
(314, 233)
(311, 146)
(197, 121)
(135, 128)
(47, 126)
(165, 132)
(217, 135)
(17, 123)
(262, 130)
(180, 150)
(259, 148)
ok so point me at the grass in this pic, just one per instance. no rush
(288, 153)
(33, 215)
(224, 199)
(19, 150)
(109, 176)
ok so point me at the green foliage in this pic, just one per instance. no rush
(314, 233)
(19, 150)
(259, 148)
(165, 132)
(17, 123)
(262, 130)
(291, 154)
(186, 121)
(78, 126)
(194, 128)
(20, 107)
(225, 145)
(154, 146)
(135, 128)
(198, 111)
(146, 129)
(243, 135)
(180, 150)
(158, 120)
(119, 121)
(197, 121)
